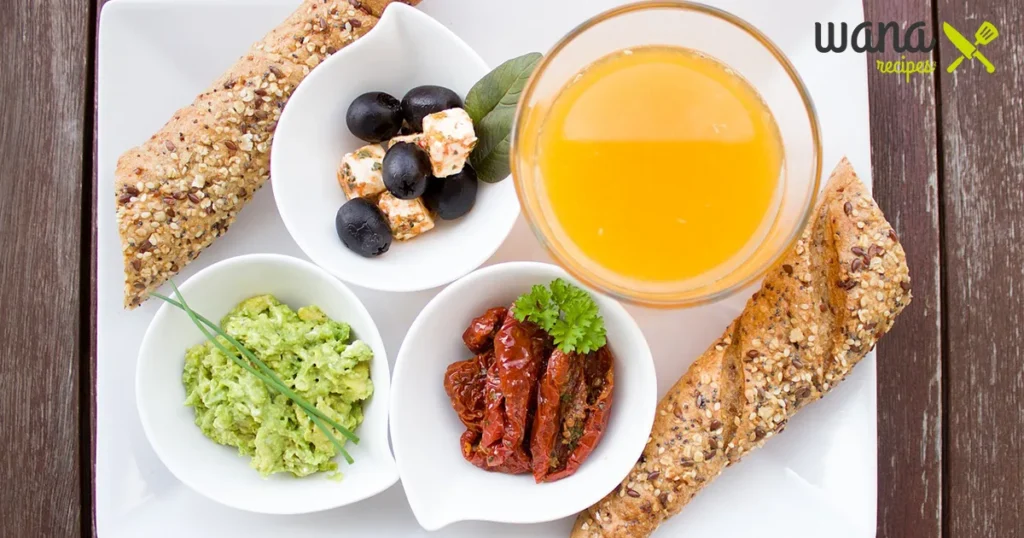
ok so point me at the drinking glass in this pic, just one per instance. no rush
(716, 34)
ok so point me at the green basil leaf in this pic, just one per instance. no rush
(491, 103)
(490, 157)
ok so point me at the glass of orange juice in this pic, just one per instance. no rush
(666, 153)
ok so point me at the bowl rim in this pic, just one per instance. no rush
(686, 297)
(501, 232)
(644, 366)
(382, 361)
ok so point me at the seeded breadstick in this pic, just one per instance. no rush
(376, 7)
(184, 186)
(820, 310)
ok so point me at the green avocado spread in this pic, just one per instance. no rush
(311, 353)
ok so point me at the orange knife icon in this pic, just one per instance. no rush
(985, 34)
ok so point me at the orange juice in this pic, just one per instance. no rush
(660, 165)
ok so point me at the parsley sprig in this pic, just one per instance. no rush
(568, 313)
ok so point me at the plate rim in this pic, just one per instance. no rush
(99, 324)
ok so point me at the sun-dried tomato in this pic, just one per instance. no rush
(494, 416)
(511, 462)
(485, 447)
(519, 352)
(573, 406)
(524, 411)
(482, 443)
(479, 336)
(465, 384)
(557, 393)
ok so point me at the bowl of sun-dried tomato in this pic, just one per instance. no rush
(519, 396)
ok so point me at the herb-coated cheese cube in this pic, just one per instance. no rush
(449, 138)
(360, 172)
(415, 138)
(407, 218)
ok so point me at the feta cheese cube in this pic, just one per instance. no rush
(360, 172)
(415, 138)
(449, 138)
(407, 218)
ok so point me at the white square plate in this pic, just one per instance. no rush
(156, 55)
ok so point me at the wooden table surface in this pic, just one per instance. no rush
(948, 164)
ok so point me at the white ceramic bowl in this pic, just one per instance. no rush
(406, 49)
(217, 471)
(441, 486)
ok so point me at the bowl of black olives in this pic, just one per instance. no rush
(370, 161)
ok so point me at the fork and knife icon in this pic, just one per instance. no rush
(986, 33)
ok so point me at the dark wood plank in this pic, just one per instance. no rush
(45, 51)
(983, 170)
(89, 270)
(92, 180)
(904, 167)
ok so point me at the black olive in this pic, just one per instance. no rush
(363, 228)
(422, 101)
(374, 117)
(453, 196)
(405, 169)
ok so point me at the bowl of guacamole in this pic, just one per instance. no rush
(314, 355)
(225, 433)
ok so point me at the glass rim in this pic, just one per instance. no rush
(675, 298)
